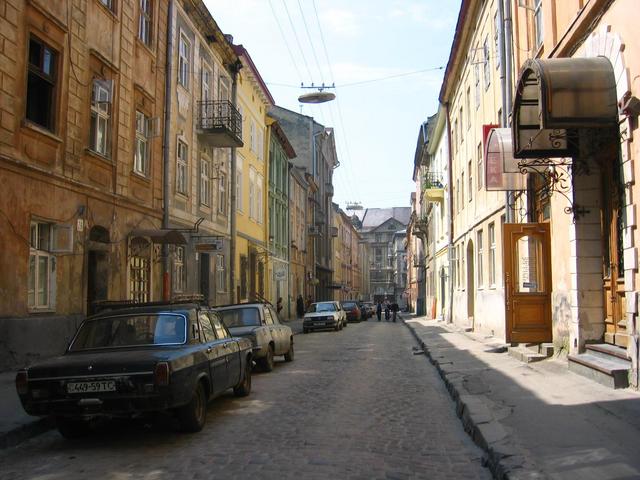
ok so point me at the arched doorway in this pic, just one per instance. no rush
(97, 267)
(471, 286)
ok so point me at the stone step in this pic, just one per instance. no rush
(524, 354)
(611, 372)
(606, 350)
(545, 349)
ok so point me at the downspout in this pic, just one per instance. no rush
(450, 239)
(166, 181)
(506, 75)
(235, 69)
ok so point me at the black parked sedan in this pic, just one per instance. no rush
(132, 361)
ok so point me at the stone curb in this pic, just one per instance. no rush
(504, 462)
(26, 431)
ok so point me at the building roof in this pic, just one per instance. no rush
(374, 217)
(244, 54)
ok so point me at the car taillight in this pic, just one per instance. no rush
(22, 382)
(161, 374)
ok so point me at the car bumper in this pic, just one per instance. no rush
(319, 324)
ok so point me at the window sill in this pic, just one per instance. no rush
(107, 10)
(149, 48)
(181, 195)
(99, 156)
(43, 310)
(41, 130)
(141, 176)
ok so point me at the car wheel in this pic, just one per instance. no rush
(244, 389)
(267, 362)
(193, 415)
(71, 428)
(288, 357)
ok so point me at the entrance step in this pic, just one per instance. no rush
(605, 350)
(545, 349)
(609, 370)
(525, 354)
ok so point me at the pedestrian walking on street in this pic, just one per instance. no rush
(300, 306)
(386, 311)
(379, 310)
(394, 310)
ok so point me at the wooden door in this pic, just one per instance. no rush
(613, 265)
(527, 271)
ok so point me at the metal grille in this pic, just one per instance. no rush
(220, 114)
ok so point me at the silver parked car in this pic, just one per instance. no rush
(260, 323)
(324, 315)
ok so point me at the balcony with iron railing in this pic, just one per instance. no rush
(433, 186)
(219, 123)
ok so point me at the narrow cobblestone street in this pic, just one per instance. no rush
(355, 404)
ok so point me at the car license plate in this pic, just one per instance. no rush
(319, 323)
(91, 387)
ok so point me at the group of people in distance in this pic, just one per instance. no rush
(390, 309)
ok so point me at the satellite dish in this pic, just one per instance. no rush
(316, 97)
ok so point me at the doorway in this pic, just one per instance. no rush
(527, 267)
(471, 286)
(97, 267)
(204, 276)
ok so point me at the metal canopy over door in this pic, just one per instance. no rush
(527, 266)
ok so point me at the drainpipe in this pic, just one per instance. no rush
(506, 75)
(450, 239)
(235, 69)
(166, 181)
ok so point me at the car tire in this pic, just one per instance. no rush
(288, 357)
(71, 428)
(193, 415)
(267, 362)
(244, 388)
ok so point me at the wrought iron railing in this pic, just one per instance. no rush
(433, 180)
(219, 114)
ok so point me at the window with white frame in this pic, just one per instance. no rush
(205, 182)
(497, 28)
(205, 83)
(487, 63)
(107, 3)
(223, 89)
(41, 266)
(100, 117)
(178, 270)
(252, 136)
(259, 194)
(476, 68)
(145, 22)
(184, 61)
(252, 193)
(239, 179)
(470, 187)
(461, 190)
(480, 167)
(468, 107)
(492, 254)
(221, 278)
(141, 153)
(461, 117)
(260, 142)
(182, 163)
(479, 261)
(537, 22)
(222, 193)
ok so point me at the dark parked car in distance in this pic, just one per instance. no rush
(352, 310)
(136, 359)
(259, 323)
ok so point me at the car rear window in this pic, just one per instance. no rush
(349, 305)
(131, 330)
(240, 317)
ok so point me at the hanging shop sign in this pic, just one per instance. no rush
(501, 170)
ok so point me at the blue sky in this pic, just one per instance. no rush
(376, 122)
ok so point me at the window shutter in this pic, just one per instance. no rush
(153, 127)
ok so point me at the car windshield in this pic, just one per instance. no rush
(130, 331)
(322, 307)
(240, 317)
(349, 305)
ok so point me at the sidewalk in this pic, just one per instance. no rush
(536, 420)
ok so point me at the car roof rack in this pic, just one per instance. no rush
(106, 305)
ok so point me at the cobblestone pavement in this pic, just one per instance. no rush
(355, 404)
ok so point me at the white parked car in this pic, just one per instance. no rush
(324, 315)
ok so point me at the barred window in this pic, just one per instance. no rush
(41, 264)
(181, 167)
(141, 155)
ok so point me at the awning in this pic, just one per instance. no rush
(501, 169)
(555, 98)
(162, 236)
